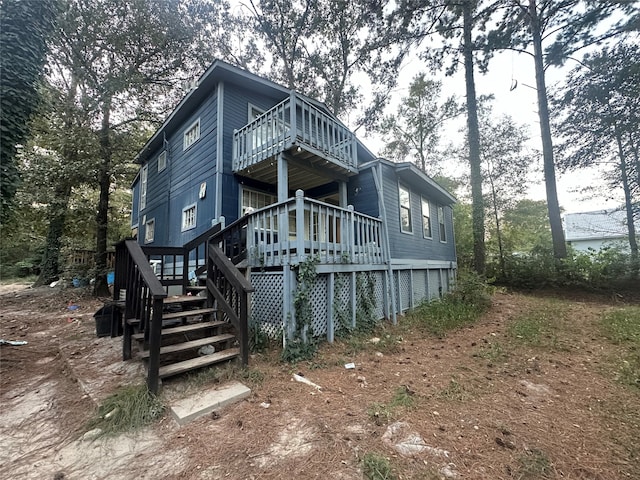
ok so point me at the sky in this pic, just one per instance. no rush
(505, 70)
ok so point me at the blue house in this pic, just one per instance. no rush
(275, 181)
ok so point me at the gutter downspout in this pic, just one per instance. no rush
(377, 178)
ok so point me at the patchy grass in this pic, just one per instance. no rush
(376, 467)
(534, 464)
(622, 327)
(130, 408)
(454, 391)
(494, 352)
(537, 327)
(381, 413)
(221, 374)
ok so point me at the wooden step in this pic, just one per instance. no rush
(196, 288)
(184, 299)
(199, 362)
(187, 313)
(201, 342)
(190, 327)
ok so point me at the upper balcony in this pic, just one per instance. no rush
(321, 147)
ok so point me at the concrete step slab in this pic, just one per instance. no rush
(203, 403)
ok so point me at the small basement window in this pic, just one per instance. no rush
(191, 135)
(149, 230)
(162, 161)
(189, 217)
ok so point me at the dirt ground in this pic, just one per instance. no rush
(473, 405)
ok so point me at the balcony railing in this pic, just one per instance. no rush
(292, 231)
(282, 127)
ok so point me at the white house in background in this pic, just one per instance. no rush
(597, 229)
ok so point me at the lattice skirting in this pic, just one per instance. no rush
(334, 297)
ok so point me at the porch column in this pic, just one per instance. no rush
(283, 178)
(342, 192)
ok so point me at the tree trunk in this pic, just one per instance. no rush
(496, 215)
(101, 288)
(631, 229)
(474, 144)
(50, 267)
(555, 220)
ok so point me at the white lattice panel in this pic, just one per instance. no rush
(266, 302)
(342, 300)
(419, 286)
(434, 284)
(319, 303)
(405, 288)
(379, 294)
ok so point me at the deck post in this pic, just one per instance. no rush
(354, 300)
(342, 193)
(300, 226)
(292, 114)
(330, 302)
(283, 178)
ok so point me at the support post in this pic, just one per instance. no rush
(300, 233)
(330, 303)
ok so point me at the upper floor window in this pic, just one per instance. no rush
(189, 217)
(149, 230)
(191, 135)
(162, 161)
(443, 230)
(426, 219)
(143, 186)
(405, 210)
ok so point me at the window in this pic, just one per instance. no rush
(162, 161)
(143, 187)
(252, 199)
(191, 135)
(443, 230)
(149, 230)
(426, 219)
(405, 210)
(189, 217)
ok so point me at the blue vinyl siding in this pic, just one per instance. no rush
(178, 185)
(236, 116)
(415, 246)
(135, 203)
(362, 193)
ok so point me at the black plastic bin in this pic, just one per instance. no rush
(108, 321)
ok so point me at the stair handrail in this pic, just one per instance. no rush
(233, 239)
(143, 301)
(229, 289)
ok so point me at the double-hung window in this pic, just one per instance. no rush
(191, 135)
(149, 230)
(189, 215)
(143, 186)
(443, 230)
(405, 210)
(426, 219)
(162, 161)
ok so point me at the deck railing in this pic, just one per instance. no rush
(290, 232)
(228, 290)
(143, 300)
(283, 126)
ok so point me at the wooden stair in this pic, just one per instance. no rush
(188, 325)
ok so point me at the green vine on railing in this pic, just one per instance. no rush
(341, 309)
(365, 302)
(303, 345)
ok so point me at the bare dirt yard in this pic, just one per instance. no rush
(535, 389)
